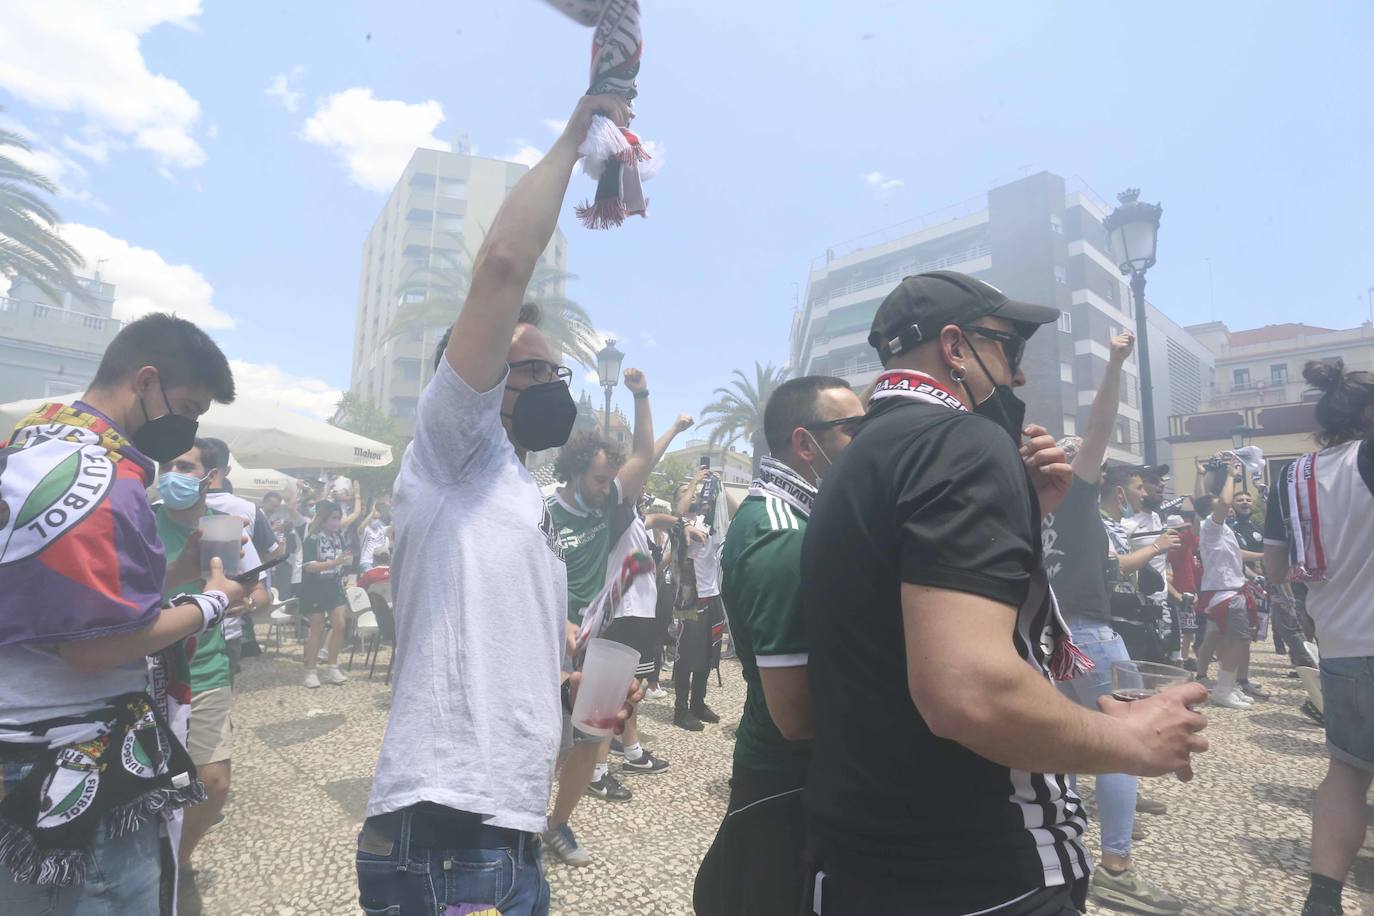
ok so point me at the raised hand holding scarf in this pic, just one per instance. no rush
(613, 156)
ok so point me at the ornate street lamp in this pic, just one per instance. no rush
(608, 361)
(1133, 231)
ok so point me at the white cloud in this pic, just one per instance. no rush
(97, 150)
(374, 137)
(212, 131)
(556, 126)
(267, 382)
(144, 282)
(83, 56)
(280, 88)
(526, 154)
(647, 339)
(883, 183)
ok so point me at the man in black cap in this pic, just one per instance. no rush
(931, 623)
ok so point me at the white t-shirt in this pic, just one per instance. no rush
(481, 595)
(1222, 566)
(706, 562)
(1342, 605)
(1144, 528)
(642, 598)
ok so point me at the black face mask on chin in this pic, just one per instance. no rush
(1002, 406)
(542, 416)
(167, 436)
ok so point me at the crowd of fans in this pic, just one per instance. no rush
(927, 595)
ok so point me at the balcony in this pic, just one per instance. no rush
(1257, 393)
(54, 326)
(893, 277)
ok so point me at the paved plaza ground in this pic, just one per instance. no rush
(1234, 843)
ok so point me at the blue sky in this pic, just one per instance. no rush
(1248, 121)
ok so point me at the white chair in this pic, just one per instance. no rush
(365, 627)
(284, 615)
(358, 602)
(1312, 683)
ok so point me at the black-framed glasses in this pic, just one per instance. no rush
(1013, 345)
(848, 425)
(542, 371)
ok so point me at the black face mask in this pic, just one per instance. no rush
(1002, 406)
(542, 416)
(167, 436)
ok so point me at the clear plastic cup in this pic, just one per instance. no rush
(606, 673)
(1132, 680)
(220, 536)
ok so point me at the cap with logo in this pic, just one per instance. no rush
(924, 303)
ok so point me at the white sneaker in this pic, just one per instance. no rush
(1231, 700)
(322, 655)
(312, 680)
(331, 674)
(1240, 695)
(655, 693)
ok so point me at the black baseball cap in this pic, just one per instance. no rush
(923, 304)
(1154, 471)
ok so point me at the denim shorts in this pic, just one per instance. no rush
(1348, 701)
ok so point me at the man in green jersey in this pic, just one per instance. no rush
(755, 864)
(182, 487)
(593, 508)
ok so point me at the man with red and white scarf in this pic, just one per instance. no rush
(1224, 597)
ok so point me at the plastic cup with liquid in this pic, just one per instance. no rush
(1133, 680)
(606, 672)
(220, 536)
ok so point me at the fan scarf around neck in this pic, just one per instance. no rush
(777, 479)
(916, 386)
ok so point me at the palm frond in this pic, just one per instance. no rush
(30, 246)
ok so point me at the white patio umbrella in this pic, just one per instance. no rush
(261, 435)
(252, 483)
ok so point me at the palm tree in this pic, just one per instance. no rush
(565, 323)
(737, 412)
(29, 244)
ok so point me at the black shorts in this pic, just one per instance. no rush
(322, 595)
(641, 634)
(756, 865)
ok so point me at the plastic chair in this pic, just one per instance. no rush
(1312, 683)
(358, 602)
(365, 627)
(386, 621)
(283, 615)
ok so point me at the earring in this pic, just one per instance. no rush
(957, 374)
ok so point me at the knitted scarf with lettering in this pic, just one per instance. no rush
(606, 606)
(777, 479)
(613, 156)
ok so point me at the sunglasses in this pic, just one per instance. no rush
(1013, 345)
(848, 425)
(542, 371)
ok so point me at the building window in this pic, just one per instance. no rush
(1278, 373)
(1070, 425)
(456, 188)
(1066, 372)
(1056, 224)
(408, 369)
(1065, 318)
(1240, 378)
(1061, 274)
(403, 407)
(1130, 392)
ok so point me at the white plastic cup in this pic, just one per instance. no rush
(220, 536)
(606, 673)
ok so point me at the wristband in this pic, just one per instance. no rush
(641, 395)
(212, 606)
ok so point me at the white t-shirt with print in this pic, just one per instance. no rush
(1222, 566)
(642, 598)
(480, 601)
(1143, 529)
(706, 563)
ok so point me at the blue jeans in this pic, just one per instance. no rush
(398, 876)
(1115, 791)
(126, 879)
(1348, 698)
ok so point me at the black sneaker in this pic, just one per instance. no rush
(617, 747)
(1321, 909)
(1312, 712)
(704, 713)
(647, 763)
(188, 894)
(608, 788)
(684, 719)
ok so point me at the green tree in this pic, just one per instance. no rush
(360, 415)
(737, 412)
(29, 244)
(565, 323)
(670, 474)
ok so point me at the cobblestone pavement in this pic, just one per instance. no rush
(1234, 843)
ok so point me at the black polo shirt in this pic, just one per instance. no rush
(931, 496)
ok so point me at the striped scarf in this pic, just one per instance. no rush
(613, 156)
(606, 605)
(1306, 558)
(777, 479)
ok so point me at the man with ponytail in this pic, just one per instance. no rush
(1319, 530)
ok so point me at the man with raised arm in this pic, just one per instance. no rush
(462, 783)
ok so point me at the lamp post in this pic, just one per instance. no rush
(608, 360)
(1133, 231)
